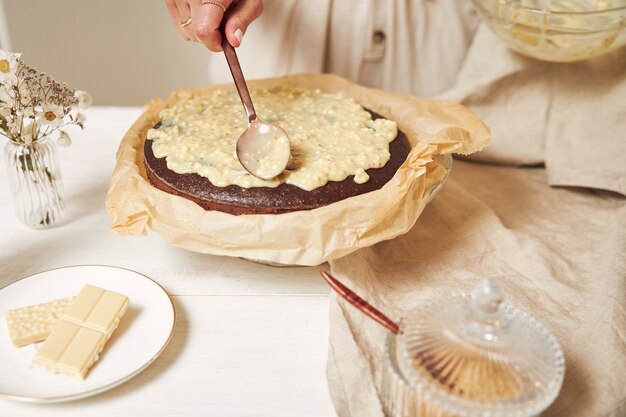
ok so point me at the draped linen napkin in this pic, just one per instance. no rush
(569, 116)
(560, 252)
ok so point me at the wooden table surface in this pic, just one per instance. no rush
(249, 339)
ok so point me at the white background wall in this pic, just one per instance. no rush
(124, 52)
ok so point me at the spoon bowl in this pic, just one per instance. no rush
(264, 149)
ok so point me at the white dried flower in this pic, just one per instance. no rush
(64, 139)
(84, 99)
(8, 65)
(50, 114)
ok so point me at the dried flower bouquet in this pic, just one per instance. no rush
(34, 108)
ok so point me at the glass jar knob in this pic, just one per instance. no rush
(485, 320)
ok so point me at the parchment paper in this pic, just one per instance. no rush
(305, 237)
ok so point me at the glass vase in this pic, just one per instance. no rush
(36, 183)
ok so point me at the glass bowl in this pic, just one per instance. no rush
(557, 30)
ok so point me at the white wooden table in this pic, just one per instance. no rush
(249, 339)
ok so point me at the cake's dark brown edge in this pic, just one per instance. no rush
(263, 200)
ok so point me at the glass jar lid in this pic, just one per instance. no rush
(477, 355)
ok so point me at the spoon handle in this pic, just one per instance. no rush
(362, 305)
(240, 81)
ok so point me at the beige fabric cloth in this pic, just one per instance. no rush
(562, 253)
(572, 117)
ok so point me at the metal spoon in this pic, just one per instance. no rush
(263, 148)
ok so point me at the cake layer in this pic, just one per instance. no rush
(263, 200)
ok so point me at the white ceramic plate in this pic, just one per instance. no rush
(142, 335)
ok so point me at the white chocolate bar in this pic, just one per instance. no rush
(33, 323)
(76, 341)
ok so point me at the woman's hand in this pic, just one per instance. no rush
(199, 20)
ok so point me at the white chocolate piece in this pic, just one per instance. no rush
(33, 323)
(78, 338)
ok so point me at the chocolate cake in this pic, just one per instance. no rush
(338, 150)
(263, 200)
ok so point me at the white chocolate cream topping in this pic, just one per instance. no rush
(332, 137)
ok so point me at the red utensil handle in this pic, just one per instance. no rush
(362, 305)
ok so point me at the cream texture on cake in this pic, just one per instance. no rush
(332, 137)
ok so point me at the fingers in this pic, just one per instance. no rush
(172, 8)
(205, 24)
(243, 13)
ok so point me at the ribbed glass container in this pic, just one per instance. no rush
(36, 183)
(471, 356)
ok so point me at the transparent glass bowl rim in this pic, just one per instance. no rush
(515, 5)
(466, 407)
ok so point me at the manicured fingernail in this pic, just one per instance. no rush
(239, 35)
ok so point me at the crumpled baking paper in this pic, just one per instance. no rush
(309, 237)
